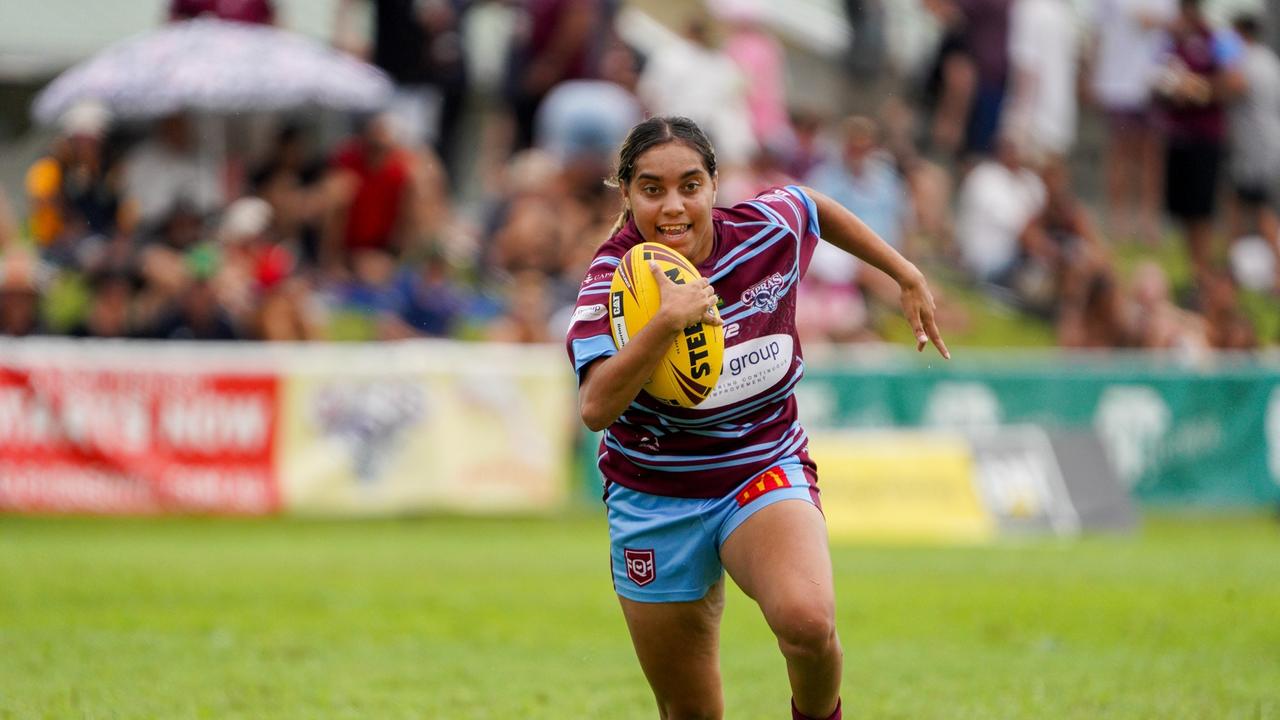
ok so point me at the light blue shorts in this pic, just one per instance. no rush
(667, 549)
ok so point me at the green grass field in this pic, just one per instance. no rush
(453, 618)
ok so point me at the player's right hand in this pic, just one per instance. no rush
(687, 304)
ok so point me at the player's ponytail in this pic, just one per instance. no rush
(623, 216)
(652, 132)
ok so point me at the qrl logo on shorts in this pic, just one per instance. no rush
(640, 567)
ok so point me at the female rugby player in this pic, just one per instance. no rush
(727, 485)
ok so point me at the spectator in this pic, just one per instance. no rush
(998, 199)
(286, 309)
(1044, 58)
(196, 315)
(810, 149)
(950, 82)
(1201, 72)
(369, 290)
(929, 184)
(529, 239)
(865, 180)
(370, 186)
(528, 308)
(1064, 243)
(560, 40)
(20, 294)
(419, 45)
(74, 191)
(289, 180)
(432, 303)
(766, 170)
(584, 121)
(109, 313)
(166, 170)
(1103, 321)
(256, 281)
(1227, 327)
(1157, 322)
(8, 224)
(832, 305)
(868, 20)
(180, 231)
(697, 80)
(975, 63)
(1128, 40)
(1255, 140)
(528, 228)
(763, 62)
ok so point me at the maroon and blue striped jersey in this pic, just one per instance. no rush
(749, 422)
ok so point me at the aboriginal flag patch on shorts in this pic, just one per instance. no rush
(772, 479)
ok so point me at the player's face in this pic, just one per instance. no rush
(671, 195)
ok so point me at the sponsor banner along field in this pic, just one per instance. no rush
(144, 428)
(89, 440)
(141, 428)
(488, 430)
(1171, 433)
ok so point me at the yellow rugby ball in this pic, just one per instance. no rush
(691, 368)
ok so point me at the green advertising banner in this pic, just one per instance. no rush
(1174, 433)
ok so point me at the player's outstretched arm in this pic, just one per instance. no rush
(842, 228)
(609, 385)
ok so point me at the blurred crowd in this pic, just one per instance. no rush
(128, 230)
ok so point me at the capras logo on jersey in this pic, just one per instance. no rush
(764, 295)
(754, 357)
(640, 566)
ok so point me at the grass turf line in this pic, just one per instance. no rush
(454, 618)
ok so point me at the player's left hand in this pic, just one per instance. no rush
(918, 306)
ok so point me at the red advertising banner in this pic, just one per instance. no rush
(120, 441)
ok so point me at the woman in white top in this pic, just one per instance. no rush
(1128, 41)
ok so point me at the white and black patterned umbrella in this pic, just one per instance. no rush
(215, 66)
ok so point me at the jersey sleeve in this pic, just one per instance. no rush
(588, 338)
(791, 207)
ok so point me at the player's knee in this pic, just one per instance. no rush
(690, 709)
(807, 629)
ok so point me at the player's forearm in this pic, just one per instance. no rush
(610, 385)
(842, 228)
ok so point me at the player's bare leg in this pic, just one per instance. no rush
(678, 645)
(779, 557)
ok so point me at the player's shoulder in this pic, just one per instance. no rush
(785, 205)
(751, 207)
(610, 253)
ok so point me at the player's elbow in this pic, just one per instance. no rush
(594, 416)
(593, 405)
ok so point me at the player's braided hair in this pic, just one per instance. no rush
(648, 134)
